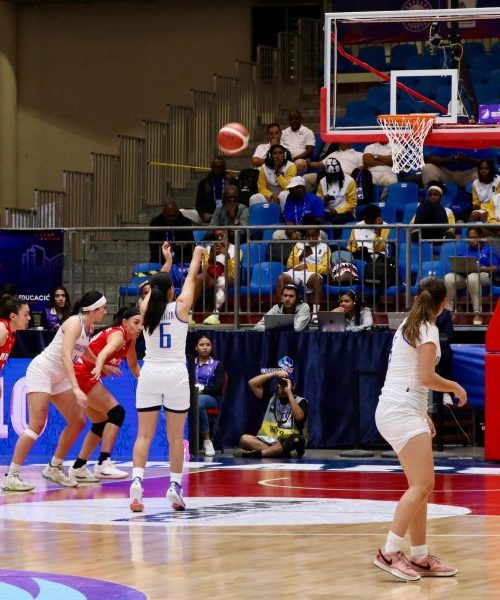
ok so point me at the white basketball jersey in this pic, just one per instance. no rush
(51, 356)
(167, 343)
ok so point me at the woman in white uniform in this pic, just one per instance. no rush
(50, 377)
(402, 419)
(163, 380)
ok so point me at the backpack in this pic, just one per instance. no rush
(380, 270)
(342, 268)
(247, 183)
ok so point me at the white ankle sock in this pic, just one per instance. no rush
(14, 468)
(206, 442)
(138, 472)
(419, 551)
(315, 308)
(55, 462)
(176, 478)
(393, 542)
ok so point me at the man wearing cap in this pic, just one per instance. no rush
(291, 304)
(300, 203)
(283, 430)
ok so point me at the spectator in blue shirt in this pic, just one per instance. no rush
(456, 165)
(300, 203)
(488, 264)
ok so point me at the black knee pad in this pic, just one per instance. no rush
(293, 446)
(98, 428)
(116, 415)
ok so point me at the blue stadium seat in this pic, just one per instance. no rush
(419, 252)
(132, 288)
(472, 50)
(332, 289)
(409, 212)
(145, 269)
(400, 194)
(487, 63)
(360, 110)
(264, 277)
(478, 77)
(389, 213)
(267, 234)
(400, 54)
(450, 194)
(486, 93)
(264, 214)
(374, 56)
(494, 79)
(379, 97)
(258, 251)
(419, 61)
(199, 235)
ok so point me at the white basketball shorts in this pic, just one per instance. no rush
(42, 378)
(399, 424)
(163, 385)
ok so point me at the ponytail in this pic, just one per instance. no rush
(160, 284)
(430, 294)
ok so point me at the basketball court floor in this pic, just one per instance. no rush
(252, 529)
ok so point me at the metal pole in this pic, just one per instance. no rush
(237, 266)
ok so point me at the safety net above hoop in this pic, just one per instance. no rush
(406, 134)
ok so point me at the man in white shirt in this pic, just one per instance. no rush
(378, 159)
(298, 138)
(274, 137)
(349, 160)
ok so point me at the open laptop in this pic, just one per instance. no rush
(395, 319)
(331, 321)
(283, 322)
(463, 264)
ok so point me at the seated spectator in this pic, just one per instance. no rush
(494, 212)
(209, 377)
(488, 263)
(211, 189)
(291, 304)
(357, 316)
(484, 187)
(431, 211)
(284, 423)
(377, 158)
(181, 240)
(273, 137)
(299, 139)
(274, 176)
(365, 242)
(218, 271)
(351, 162)
(338, 192)
(307, 264)
(300, 204)
(58, 310)
(455, 165)
(280, 252)
(231, 213)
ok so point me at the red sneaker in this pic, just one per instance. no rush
(431, 566)
(396, 564)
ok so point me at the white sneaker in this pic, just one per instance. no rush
(82, 475)
(59, 475)
(174, 496)
(212, 320)
(108, 471)
(208, 448)
(13, 482)
(447, 400)
(136, 504)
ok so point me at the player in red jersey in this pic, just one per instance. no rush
(103, 357)
(14, 316)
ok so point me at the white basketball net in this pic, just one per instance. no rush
(406, 134)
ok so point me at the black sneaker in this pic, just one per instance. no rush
(247, 453)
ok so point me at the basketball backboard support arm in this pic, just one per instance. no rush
(446, 131)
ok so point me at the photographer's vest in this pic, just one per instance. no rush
(279, 422)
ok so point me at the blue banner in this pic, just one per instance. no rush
(33, 262)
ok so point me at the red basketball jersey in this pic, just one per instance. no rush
(6, 349)
(101, 339)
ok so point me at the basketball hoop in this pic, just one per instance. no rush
(406, 134)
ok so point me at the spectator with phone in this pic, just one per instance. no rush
(283, 429)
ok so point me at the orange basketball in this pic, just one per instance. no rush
(233, 138)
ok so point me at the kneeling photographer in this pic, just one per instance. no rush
(283, 430)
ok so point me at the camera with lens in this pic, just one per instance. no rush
(282, 381)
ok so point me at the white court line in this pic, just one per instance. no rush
(266, 483)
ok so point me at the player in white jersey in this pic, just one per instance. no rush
(402, 419)
(50, 377)
(163, 380)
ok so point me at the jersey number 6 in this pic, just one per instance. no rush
(165, 338)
